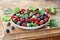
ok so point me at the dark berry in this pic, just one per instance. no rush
(12, 28)
(42, 17)
(7, 30)
(14, 14)
(36, 9)
(8, 24)
(19, 23)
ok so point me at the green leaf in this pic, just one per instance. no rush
(32, 8)
(8, 11)
(17, 9)
(5, 18)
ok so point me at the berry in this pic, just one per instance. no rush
(37, 19)
(28, 20)
(41, 22)
(42, 17)
(37, 15)
(36, 9)
(12, 28)
(33, 24)
(22, 19)
(18, 23)
(24, 24)
(8, 24)
(28, 24)
(36, 22)
(28, 10)
(35, 12)
(46, 19)
(12, 16)
(7, 30)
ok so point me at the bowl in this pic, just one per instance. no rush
(31, 28)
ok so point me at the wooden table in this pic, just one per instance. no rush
(47, 34)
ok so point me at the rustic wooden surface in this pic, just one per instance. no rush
(34, 35)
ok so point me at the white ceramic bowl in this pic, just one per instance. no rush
(30, 28)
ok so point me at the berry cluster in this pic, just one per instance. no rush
(29, 18)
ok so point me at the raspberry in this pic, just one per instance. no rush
(24, 24)
(46, 19)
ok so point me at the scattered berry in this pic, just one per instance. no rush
(7, 31)
(8, 24)
(12, 28)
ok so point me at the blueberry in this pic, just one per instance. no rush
(42, 17)
(12, 28)
(8, 24)
(7, 30)
(18, 23)
(44, 14)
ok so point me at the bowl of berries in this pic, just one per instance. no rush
(29, 19)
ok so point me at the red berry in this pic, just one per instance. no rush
(36, 22)
(35, 12)
(12, 17)
(46, 19)
(33, 19)
(41, 22)
(28, 10)
(47, 10)
(37, 19)
(28, 20)
(22, 12)
(22, 19)
(24, 24)
(22, 9)
(16, 17)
